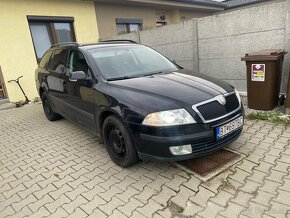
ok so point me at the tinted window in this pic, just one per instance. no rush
(77, 62)
(45, 59)
(58, 61)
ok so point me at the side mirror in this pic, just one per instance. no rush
(77, 75)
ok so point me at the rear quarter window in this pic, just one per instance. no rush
(45, 59)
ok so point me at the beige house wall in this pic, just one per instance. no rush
(107, 13)
(188, 15)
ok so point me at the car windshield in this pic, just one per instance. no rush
(129, 61)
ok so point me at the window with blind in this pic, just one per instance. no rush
(46, 31)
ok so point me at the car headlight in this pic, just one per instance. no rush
(169, 118)
(238, 96)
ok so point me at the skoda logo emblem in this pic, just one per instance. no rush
(221, 99)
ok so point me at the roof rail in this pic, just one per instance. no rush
(118, 40)
(65, 43)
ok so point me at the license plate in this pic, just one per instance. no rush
(229, 128)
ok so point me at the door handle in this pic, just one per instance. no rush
(64, 83)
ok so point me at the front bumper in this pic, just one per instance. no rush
(153, 143)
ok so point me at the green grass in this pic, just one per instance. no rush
(275, 117)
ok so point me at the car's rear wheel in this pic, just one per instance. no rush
(49, 113)
(118, 142)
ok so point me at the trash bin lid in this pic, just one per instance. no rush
(265, 55)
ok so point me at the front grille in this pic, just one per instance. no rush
(209, 147)
(214, 109)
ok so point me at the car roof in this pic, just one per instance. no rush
(107, 43)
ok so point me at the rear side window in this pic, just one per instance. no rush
(58, 61)
(45, 59)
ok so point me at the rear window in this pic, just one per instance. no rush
(45, 59)
(58, 61)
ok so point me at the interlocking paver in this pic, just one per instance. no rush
(132, 205)
(202, 196)
(158, 182)
(59, 213)
(239, 175)
(38, 204)
(7, 212)
(222, 198)
(78, 213)
(111, 192)
(91, 205)
(117, 214)
(60, 191)
(176, 182)
(211, 210)
(8, 192)
(283, 197)
(73, 205)
(242, 198)
(34, 188)
(182, 196)
(42, 212)
(192, 183)
(250, 187)
(15, 198)
(23, 203)
(110, 206)
(127, 194)
(232, 210)
(276, 176)
(22, 213)
(165, 194)
(53, 206)
(141, 183)
(97, 213)
(145, 194)
(150, 208)
(278, 210)
(263, 198)
(93, 192)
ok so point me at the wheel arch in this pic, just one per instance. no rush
(106, 113)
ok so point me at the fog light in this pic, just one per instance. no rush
(181, 150)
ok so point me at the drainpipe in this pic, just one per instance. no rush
(287, 102)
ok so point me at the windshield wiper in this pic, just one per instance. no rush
(120, 78)
(155, 73)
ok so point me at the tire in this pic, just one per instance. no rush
(49, 113)
(118, 142)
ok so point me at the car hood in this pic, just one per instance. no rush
(179, 88)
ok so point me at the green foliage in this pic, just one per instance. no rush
(275, 117)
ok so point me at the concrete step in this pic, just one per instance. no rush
(6, 106)
(4, 101)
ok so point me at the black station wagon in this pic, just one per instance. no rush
(142, 104)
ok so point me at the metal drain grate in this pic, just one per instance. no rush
(209, 163)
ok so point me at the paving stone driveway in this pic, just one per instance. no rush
(57, 169)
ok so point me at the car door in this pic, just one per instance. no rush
(79, 94)
(55, 81)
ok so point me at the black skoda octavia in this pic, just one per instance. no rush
(142, 104)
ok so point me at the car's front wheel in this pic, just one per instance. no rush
(49, 113)
(118, 142)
